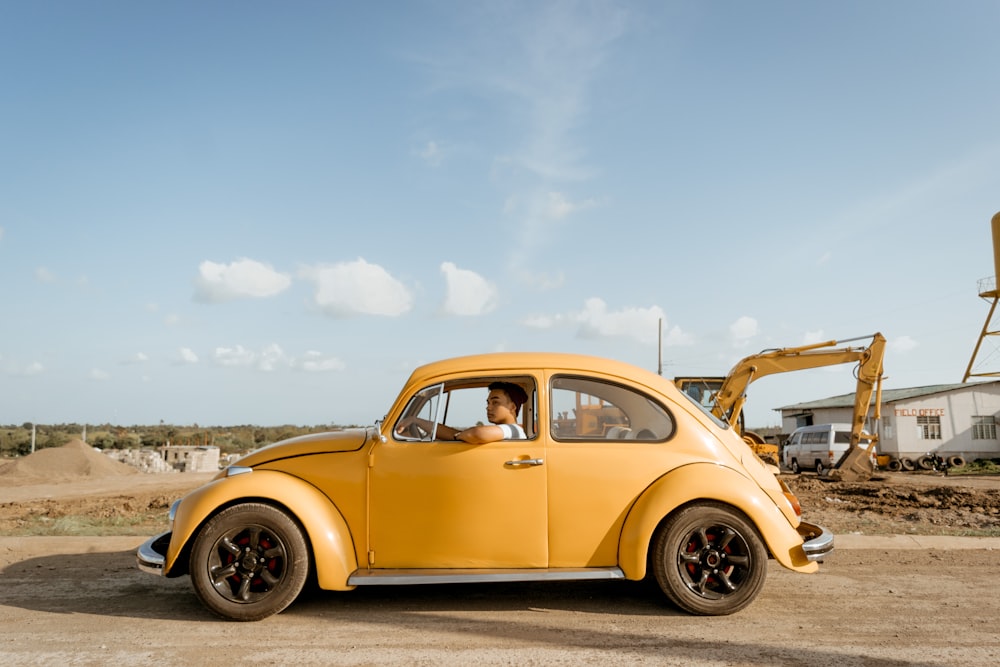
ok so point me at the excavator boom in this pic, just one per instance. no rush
(856, 463)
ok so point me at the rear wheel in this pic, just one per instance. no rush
(820, 468)
(249, 562)
(709, 560)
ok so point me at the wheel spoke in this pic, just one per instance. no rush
(254, 535)
(228, 545)
(220, 574)
(690, 558)
(724, 579)
(269, 578)
(244, 593)
(739, 560)
(727, 537)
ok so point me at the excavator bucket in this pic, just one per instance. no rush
(854, 466)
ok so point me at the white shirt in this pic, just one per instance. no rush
(512, 432)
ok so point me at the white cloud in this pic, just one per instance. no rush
(353, 288)
(596, 321)
(467, 292)
(742, 330)
(244, 278)
(557, 206)
(676, 337)
(317, 362)
(43, 275)
(186, 355)
(34, 368)
(137, 358)
(233, 356)
(267, 359)
(431, 153)
(903, 344)
(99, 375)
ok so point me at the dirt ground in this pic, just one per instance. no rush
(80, 600)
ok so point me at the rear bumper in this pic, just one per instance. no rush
(817, 541)
(152, 554)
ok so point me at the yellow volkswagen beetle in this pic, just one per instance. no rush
(613, 474)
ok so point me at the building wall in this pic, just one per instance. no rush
(901, 436)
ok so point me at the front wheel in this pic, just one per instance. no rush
(709, 560)
(249, 562)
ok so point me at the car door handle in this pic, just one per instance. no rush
(526, 462)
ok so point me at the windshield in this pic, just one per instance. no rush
(719, 422)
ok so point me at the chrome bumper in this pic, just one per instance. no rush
(152, 554)
(817, 541)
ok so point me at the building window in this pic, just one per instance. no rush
(984, 428)
(929, 428)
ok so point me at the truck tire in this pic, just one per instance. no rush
(895, 465)
(907, 464)
(925, 463)
(956, 461)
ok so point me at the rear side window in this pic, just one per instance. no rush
(588, 409)
(843, 437)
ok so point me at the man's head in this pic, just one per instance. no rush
(504, 397)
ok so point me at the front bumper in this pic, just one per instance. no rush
(817, 541)
(152, 554)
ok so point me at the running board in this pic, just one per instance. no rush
(389, 577)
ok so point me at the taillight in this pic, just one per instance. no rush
(791, 498)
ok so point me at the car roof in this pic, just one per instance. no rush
(512, 361)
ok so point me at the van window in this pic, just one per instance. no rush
(842, 437)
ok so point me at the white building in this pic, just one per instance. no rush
(949, 419)
(192, 458)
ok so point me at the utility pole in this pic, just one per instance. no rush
(659, 347)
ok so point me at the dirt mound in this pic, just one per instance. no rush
(74, 460)
(900, 505)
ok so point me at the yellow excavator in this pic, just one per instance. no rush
(726, 396)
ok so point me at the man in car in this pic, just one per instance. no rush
(502, 406)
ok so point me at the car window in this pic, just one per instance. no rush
(462, 404)
(587, 409)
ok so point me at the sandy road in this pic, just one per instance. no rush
(80, 601)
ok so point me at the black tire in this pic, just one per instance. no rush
(820, 468)
(795, 466)
(249, 562)
(956, 461)
(907, 464)
(925, 463)
(895, 465)
(709, 560)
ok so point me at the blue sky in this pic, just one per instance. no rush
(267, 213)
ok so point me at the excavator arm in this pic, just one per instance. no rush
(856, 462)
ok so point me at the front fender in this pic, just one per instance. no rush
(327, 531)
(673, 490)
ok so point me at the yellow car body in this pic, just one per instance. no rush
(619, 471)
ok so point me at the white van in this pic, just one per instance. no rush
(817, 447)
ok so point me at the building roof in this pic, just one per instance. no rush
(888, 395)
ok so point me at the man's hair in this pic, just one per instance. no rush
(514, 392)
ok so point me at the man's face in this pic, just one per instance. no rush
(499, 408)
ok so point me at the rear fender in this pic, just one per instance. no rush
(673, 490)
(332, 546)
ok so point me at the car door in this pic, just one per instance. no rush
(608, 443)
(445, 504)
